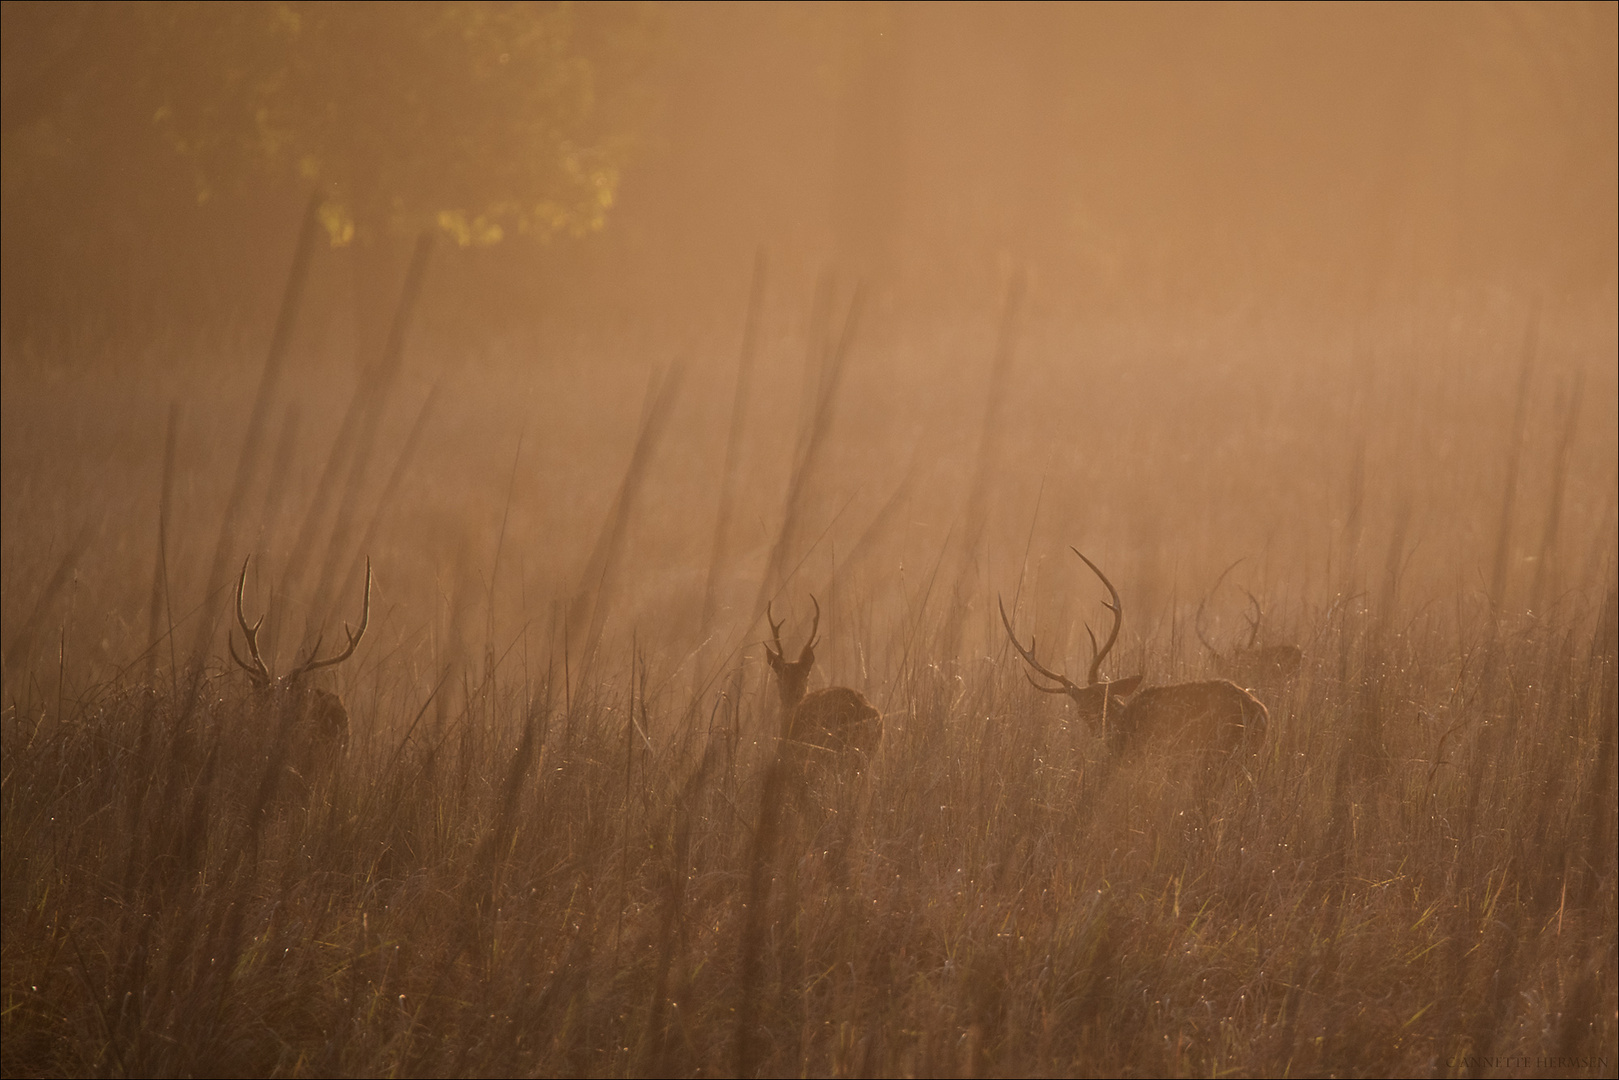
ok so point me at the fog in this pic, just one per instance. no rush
(1270, 264)
(600, 331)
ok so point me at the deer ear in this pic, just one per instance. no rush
(1123, 687)
(775, 659)
(807, 657)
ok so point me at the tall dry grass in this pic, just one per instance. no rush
(564, 842)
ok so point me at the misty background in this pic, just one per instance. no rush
(1323, 160)
(1328, 288)
(594, 334)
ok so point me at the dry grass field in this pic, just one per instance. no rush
(561, 838)
(405, 607)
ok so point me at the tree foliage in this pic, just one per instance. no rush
(488, 119)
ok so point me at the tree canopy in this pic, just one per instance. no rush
(179, 138)
(486, 119)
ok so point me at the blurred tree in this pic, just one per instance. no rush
(483, 119)
(487, 120)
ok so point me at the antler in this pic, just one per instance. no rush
(1253, 623)
(1066, 686)
(1197, 623)
(809, 646)
(807, 654)
(257, 671)
(775, 632)
(1117, 607)
(354, 636)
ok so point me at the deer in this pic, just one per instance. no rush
(311, 724)
(1216, 717)
(1251, 664)
(836, 718)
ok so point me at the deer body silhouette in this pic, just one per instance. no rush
(1213, 717)
(836, 718)
(1269, 667)
(310, 724)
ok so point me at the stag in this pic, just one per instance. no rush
(1251, 664)
(1214, 717)
(311, 724)
(835, 718)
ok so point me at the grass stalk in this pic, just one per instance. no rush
(719, 552)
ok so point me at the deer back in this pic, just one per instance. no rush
(836, 718)
(1216, 716)
(1270, 665)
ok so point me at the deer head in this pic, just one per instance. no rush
(1251, 663)
(792, 676)
(1098, 697)
(317, 715)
